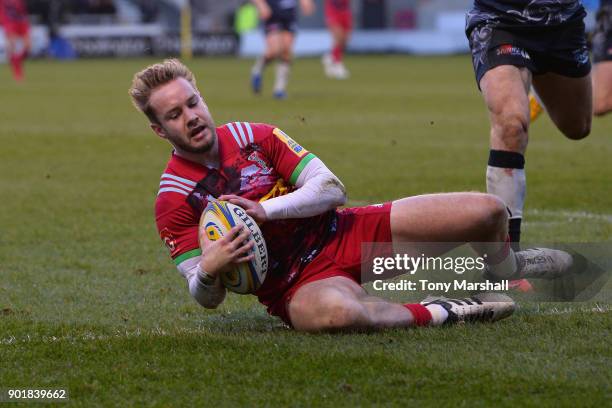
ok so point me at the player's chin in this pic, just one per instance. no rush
(201, 142)
(200, 145)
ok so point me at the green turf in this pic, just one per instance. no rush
(89, 300)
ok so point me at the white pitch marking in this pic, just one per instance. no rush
(597, 308)
(534, 212)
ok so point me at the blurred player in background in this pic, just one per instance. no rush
(14, 20)
(280, 25)
(514, 44)
(602, 57)
(602, 67)
(339, 20)
(314, 279)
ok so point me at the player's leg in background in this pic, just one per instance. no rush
(15, 58)
(333, 63)
(535, 105)
(27, 44)
(283, 66)
(11, 43)
(602, 88)
(271, 52)
(505, 89)
(327, 59)
(341, 41)
(568, 101)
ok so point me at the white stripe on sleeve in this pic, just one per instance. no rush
(242, 135)
(177, 178)
(236, 137)
(249, 131)
(174, 183)
(172, 190)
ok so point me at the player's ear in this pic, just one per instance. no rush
(159, 131)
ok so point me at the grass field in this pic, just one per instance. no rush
(90, 302)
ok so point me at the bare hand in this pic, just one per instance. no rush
(252, 208)
(232, 249)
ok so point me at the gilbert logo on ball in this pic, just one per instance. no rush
(216, 221)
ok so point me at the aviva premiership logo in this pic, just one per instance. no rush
(292, 144)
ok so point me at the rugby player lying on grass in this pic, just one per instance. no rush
(313, 280)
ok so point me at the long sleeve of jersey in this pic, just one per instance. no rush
(208, 295)
(318, 190)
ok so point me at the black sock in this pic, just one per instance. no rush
(514, 231)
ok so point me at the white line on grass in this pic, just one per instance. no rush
(566, 214)
(535, 212)
(597, 308)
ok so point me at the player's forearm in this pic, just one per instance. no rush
(319, 190)
(207, 292)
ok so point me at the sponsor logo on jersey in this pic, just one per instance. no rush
(512, 50)
(254, 157)
(292, 144)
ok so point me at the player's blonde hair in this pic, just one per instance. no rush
(152, 77)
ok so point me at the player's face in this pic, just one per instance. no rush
(184, 119)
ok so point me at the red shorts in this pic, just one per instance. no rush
(16, 28)
(342, 256)
(334, 17)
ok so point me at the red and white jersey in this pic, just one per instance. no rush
(257, 162)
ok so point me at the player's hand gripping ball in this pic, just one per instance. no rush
(216, 221)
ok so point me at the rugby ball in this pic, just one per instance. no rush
(216, 221)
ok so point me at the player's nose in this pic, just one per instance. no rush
(192, 119)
